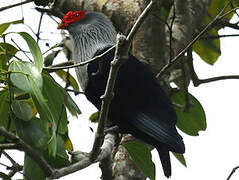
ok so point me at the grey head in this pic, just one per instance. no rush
(90, 35)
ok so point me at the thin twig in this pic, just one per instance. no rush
(196, 81)
(54, 68)
(15, 166)
(52, 11)
(232, 172)
(220, 36)
(177, 57)
(39, 27)
(185, 87)
(192, 72)
(53, 47)
(229, 12)
(24, 52)
(60, 65)
(75, 92)
(5, 165)
(14, 5)
(213, 79)
(225, 23)
(9, 157)
(171, 32)
(30, 28)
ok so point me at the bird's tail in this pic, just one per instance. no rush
(165, 161)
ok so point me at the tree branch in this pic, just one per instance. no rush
(196, 81)
(224, 23)
(86, 161)
(121, 55)
(27, 149)
(57, 173)
(15, 166)
(8, 146)
(176, 59)
(14, 5)
(106, 167)
(54, 11)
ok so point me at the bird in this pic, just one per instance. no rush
(140, 106)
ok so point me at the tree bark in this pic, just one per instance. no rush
(123, 166)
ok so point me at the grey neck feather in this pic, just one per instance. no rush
(90, 35)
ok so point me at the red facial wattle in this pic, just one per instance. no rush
(71, 17)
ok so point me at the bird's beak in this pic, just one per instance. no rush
(61, 26)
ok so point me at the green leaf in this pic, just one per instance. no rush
(193, 121)
(216, 6)
(31, 169)
(166, 6)
(236, 3)
(22, 110)
(180, 158)
(7, 51)
(65, 76)
(4, 176)
(3, 77)
(25, 76)
(4, 26)
(208, 49)
(35, 50)
(67, 143)
(46, 115)
(70, 104)
(48, 60)
(94, 117)
(61, 158)
(20, 74)
(214, 9)
(4, 112)
(32, 132)
(4, 107)
(30, 80)
(141, 156)
(55, 100)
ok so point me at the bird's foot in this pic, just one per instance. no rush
(112, 129)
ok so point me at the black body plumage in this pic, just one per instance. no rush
(140, 106)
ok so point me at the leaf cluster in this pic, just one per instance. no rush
(33, 105)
